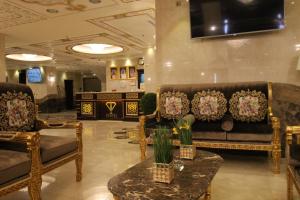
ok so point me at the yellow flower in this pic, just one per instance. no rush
(175, 131)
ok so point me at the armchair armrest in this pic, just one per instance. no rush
(290, 132)
(151, 116)
(43, 124)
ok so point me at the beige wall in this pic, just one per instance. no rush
(47, 87)
(62, 76)
(121, 85)
(2, 59)
(267, 56)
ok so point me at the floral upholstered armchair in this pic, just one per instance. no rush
(293, 159)
(25, 154)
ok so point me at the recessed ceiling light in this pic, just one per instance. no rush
(28, 57)
(95, 1)
(52, 11)
(97, 48)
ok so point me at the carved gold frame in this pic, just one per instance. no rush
(32, 140)
(274, 147)
(291, 174)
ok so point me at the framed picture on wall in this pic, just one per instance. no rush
(114, 73)
(132, 72)
(123, 73)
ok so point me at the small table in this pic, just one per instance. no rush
(191, 183)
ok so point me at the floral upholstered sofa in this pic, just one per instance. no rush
(228, 116)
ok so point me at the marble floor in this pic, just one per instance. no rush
(241, 177)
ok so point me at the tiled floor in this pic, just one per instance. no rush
(242, 177)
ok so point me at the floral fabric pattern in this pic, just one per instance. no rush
(17, 112)
(209, 105)
(174, 105)
(248, 106)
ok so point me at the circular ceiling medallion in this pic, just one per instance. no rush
(28, 57)
(97, 48)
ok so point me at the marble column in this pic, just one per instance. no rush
(2, 59)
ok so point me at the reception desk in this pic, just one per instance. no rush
(108, 105)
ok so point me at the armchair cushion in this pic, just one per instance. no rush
(13, 165)
(295, 150)
(53, 147)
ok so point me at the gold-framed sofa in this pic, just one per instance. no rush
(228, 116)
(293, 159)
(18, 117)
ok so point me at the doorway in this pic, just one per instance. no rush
(22, 76)
(69, 96)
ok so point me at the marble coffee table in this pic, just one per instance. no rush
(191, 183)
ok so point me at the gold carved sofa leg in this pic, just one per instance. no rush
(35, 184)
(79, 158)
(276, 151)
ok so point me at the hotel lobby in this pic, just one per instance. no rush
(149, 100)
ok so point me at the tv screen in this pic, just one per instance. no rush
(210, 18)
(34, 75)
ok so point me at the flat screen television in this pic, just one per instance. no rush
(211, 18)
(34, 75)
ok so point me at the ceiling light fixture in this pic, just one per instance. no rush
(28, 57)
(96, 48)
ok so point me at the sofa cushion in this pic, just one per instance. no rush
(13, 165)
(259, 128)
(213, 126)
(204, 135)
(209, 105)
(249, 137)
(248, 106)
(53, 147)
(174, 105)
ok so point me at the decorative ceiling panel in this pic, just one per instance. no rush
(137, 26)
(57, 8)
(13, 15)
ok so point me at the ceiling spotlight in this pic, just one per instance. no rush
(95, 1)
(28, 57)
(52, 11)
(96, 48)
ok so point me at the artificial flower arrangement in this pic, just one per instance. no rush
(163, 170)
(183, 129)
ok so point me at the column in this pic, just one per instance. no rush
(2, 59)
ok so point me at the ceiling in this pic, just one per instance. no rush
(52, 27)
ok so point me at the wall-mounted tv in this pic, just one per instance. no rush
(211, 18)
(34, 75)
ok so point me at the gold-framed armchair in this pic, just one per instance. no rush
(20, 169)
(56, 150)
(19, 116)
(293, 159)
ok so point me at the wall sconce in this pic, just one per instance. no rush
(298, 64)
(51, 79)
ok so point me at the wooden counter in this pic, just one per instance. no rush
(108, 105)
